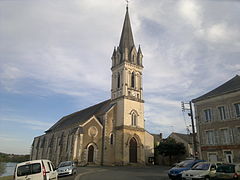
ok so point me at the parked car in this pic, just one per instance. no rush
(202, 170)
(228, 171)
(67, 168)
(36, 169)
(176, 172)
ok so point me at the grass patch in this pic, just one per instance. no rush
(6, 178)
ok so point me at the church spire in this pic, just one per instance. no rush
(126, 51)
(127, 66)
(126, 40)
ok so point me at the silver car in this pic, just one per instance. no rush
(202, 170)
(67, 168)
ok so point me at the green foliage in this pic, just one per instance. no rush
(6, 178)
(2, 168)
(169, 147)
(13, 158)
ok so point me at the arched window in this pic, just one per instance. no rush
(134, 119)
(111, 139)
(118, 80)
(133, 80)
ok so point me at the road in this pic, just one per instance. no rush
(120, 173)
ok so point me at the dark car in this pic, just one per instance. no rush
(176, 172)
(228, 171)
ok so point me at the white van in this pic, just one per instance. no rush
(35, 170)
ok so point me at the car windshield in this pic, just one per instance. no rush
(201, 166)
(186, 163)
(67, 163)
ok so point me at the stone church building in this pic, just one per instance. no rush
(111, 132)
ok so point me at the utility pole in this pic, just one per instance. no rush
(193, 126)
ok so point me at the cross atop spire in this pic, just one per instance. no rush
(126, 40)
(127, 2)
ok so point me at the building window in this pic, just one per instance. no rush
(134, 119)
(222, 112)
(212, 157)
(111, 139)
(118, 80)
(208, 115)
(237, 108)
(238, 130)
(210, 137)
(225, 136)
(133, 80)
(237, 135)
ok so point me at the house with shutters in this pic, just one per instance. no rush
(218, 122)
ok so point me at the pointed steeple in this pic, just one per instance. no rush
(126, 51)
(126, 40)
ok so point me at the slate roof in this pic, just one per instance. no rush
(126, 40)
(230, 86)
(186, 137)
(81, 116)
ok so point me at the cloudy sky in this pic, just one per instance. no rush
(55, 59)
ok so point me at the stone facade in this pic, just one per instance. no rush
(218, 122)
(111, 132)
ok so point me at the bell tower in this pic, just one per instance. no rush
(127, 66)
(127, 94)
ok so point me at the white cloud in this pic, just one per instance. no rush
(191, 12)
(32, 124)
(62, 47)
(8, 139)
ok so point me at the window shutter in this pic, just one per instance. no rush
(231, 135)
(212, 115)
(216, 137)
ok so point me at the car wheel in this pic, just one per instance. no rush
(207, 178)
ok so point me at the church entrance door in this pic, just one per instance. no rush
(133, 151)
(90, 153)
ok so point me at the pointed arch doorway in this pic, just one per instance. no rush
(90, 153)
(133, 151)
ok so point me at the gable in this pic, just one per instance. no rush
(93, 118)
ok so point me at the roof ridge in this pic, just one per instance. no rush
(86, 108)
(231, 85)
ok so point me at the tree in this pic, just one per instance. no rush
(169, 147)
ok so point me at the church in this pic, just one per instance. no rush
(111, 132)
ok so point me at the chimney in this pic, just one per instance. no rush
(160, 135)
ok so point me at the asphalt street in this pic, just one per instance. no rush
(120, 173)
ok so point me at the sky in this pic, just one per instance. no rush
(55, 59)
